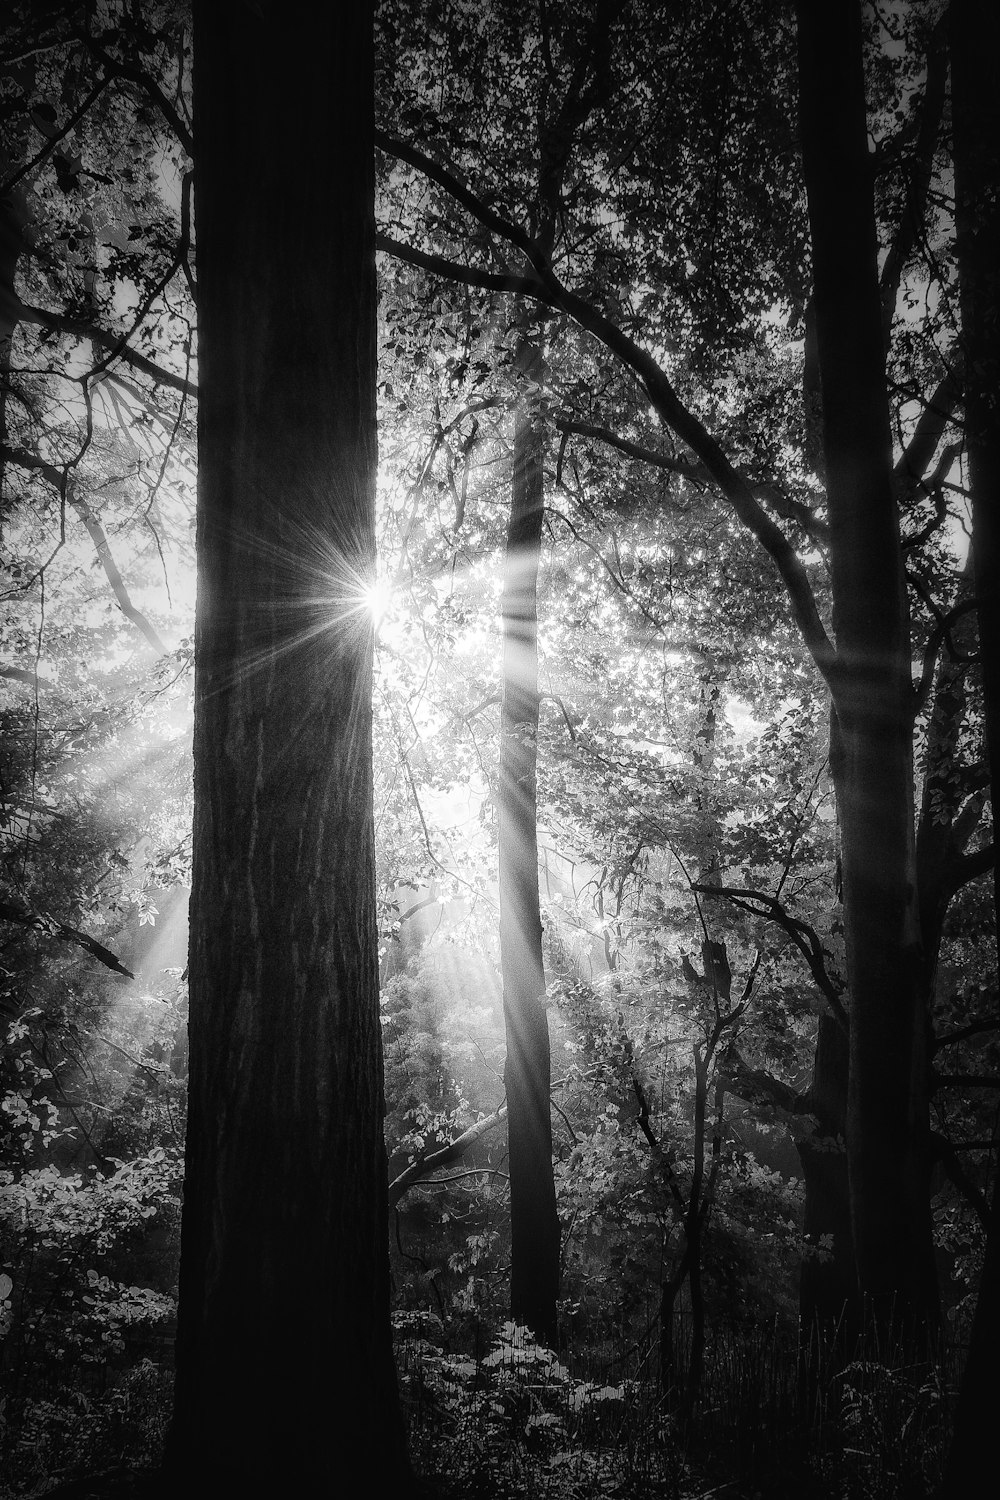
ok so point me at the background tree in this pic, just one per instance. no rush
(976, 151)
(871, 747)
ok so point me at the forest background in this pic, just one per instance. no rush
(683, 628)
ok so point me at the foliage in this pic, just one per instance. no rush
(683, 737)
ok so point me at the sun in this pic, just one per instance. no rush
(377, 599)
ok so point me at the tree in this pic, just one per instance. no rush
(862, 655)
(533, 1222)
(284, 1362)
(974, 34)
(870, 683)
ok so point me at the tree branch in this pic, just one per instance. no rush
(664, 398)
(440, 265)
(423, 1166)
(28, 678)
(785, 505)
(945, 1152)
(60, 483)
(911, 221)
(756, 1086)
(974, 1028)
(964, 1081)
(40, 922)
(52, 140)
(113, 342)
(118, 69)
(930, 428)
(801, 933)
(968, 867)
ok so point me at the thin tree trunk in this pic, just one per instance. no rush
(693, 1226)
(887, 1122)
(534, 1223)
(285, 1379)
(975, 44)
(11, 245)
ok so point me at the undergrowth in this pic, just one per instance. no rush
(522, 1421)
(518, 1420)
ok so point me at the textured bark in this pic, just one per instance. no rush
(974, 42)
(285, 1379)
(533, 1220)
(887, 1145)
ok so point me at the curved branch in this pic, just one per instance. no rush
(450, 270)
(772, 494)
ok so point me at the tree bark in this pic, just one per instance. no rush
(827, 1283)
(974, 37)
(285, 1379)
(534, 1223)
(887, 1135)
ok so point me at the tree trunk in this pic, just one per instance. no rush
(285, 1377)
(534, 1224)
(974, 39)
(887, 1126)
(12, 222)
(827, 1282)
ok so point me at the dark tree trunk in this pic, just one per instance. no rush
(827, 1283)
(887, 1127)
(285, 1379)
(975, 45)
(534, 1224)
(693, 1227)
